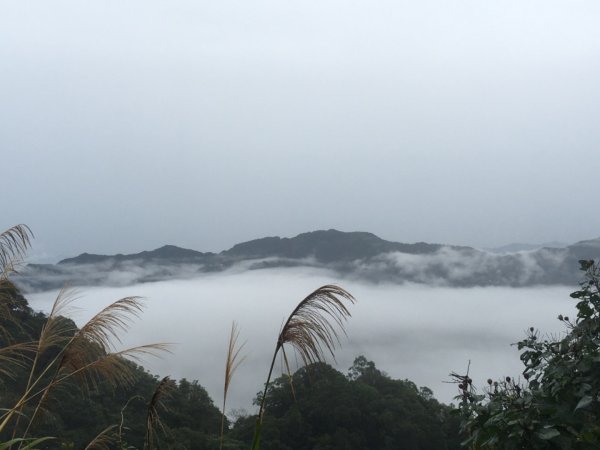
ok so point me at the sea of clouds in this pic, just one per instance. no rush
(411, 331)
(447, 266)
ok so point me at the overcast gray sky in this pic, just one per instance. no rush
(128, 125)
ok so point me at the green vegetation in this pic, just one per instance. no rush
(366, 405)
(365, 409)
(69, 383)
(310, 331)
(63, 387)
(556, 403)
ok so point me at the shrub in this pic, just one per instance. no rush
(555, 403)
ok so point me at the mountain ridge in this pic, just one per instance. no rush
(300, 246)
(165, 252)
(357, 254)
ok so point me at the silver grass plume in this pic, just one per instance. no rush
(312, 330)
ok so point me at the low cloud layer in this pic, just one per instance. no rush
(444, 266)
(450, 266)
(411, 331)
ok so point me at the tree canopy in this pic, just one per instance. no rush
(323, 409)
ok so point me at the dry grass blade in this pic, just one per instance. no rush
(88, 355)
(91, 365)
(312, 327)
(57, 330)
(91, 345)
(234, 359)
(289, 373)
(16, 355)
(113, 319)
(14, 243)
(231, 365)
(115, 368)
(88, 368)
(152, 418)
(104, 440)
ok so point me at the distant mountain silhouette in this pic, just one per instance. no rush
(325, 246)
(356, 255)
(164, 253)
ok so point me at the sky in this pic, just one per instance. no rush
(125, 126)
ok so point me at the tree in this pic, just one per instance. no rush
(556, 404)
(364, 410)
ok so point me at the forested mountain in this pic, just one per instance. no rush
(358, 255)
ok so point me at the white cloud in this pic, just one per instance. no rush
(411, 331)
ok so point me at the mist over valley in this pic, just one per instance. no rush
(223, 160)
(423, 310)
(411, 331)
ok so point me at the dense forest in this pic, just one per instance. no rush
(364, 409)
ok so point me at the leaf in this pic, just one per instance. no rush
(585, 401)
(548, 433)
(30, 446)
(256, 440)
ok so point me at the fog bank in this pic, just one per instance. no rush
(410, 331)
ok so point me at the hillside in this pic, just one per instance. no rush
(359, 255)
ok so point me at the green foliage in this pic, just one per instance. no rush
(311, 330)
(364, 410)
(190, 419)
(556, 404)
(58, 380)
(24, 444)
